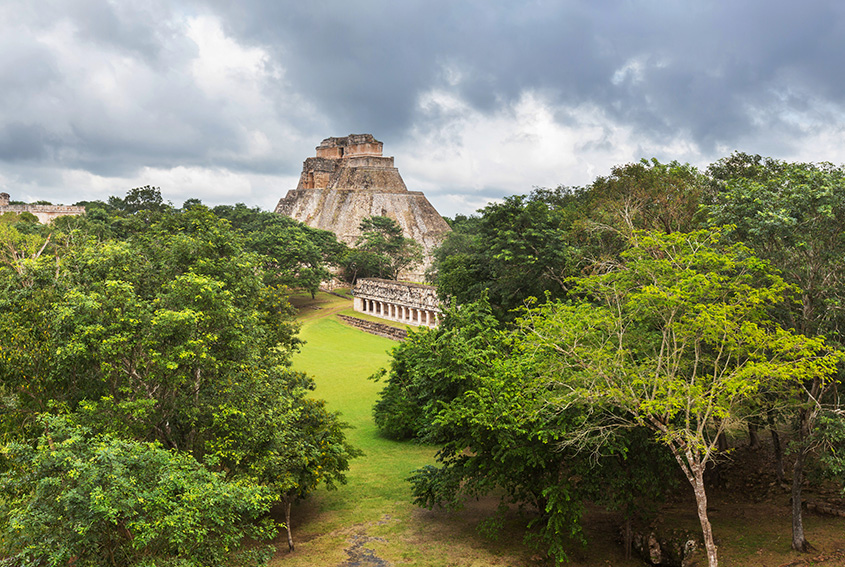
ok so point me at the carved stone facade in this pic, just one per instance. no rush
(44, 213)
(349, 180)
(412, 304)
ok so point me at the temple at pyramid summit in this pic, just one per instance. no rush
(349, 180)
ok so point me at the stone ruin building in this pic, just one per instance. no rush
(44, 213)
(349, 180)
(412, 304)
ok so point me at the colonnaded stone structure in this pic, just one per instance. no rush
(44, 213)
(409, 303)
(350, 180)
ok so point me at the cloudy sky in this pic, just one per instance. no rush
(223, 100)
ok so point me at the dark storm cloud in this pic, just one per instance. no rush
(702, 65)
(111, 88)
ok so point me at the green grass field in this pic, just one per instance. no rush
(375, 506)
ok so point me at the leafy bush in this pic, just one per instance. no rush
(77, 498)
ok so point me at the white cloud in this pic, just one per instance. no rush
(457, 154)
(212, 185)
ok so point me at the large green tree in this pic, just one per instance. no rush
(174, 334)
(463, 388)
(793, 215)
(382, 251)
(295, 255)
(75, 498)
(678, 338)
(514, 250)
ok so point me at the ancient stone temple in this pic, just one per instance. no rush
(44, 213)
(412, 304)
(349, 180)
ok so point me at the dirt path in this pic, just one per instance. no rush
(361, 556)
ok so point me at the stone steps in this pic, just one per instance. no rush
(374, 328)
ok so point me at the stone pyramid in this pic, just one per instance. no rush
(349, 180)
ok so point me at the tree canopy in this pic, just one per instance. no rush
(176, 334)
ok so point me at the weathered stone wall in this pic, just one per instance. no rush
(354, 144)
(44, 213)
(408, 303)
(350, 180)
(374, 328)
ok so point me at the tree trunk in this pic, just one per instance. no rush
(693, 466)
(799, 542)
(778, 455)
(753, 438)
(287, 523)
(722, 442)
(628, 537)
(701, 501)
(806, 418)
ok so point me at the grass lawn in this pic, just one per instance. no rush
(374, 509)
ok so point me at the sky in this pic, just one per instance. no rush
(476, 100)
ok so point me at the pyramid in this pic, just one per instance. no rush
(350, 180)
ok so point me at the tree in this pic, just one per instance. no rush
(78, 498)
(677, 338)
(296, 255)
(432, 367)
(648, 195)
(463, 388)
(381, 251)
(516, 249)
(144, 198)
(793, 215)
(174, 335)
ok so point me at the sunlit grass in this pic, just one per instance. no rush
(376, 502)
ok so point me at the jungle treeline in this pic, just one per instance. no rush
(150, 415)
(600, 342)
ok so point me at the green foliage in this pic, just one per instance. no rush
(679, 334)
(78, 498)
(678, 338)
(515, 250)
(648, 195)
(175, 333)
(381, 251)
(829, 436)
(295, 255)
(27, 217)
(462, 387)
(432, 367)
(792, 215)
(139, 199)
(532, 246)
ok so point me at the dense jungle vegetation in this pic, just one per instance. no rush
(600, 339)
(599, 343)
(149, 412)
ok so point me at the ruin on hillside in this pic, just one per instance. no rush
(44, 213)
(350, 180)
